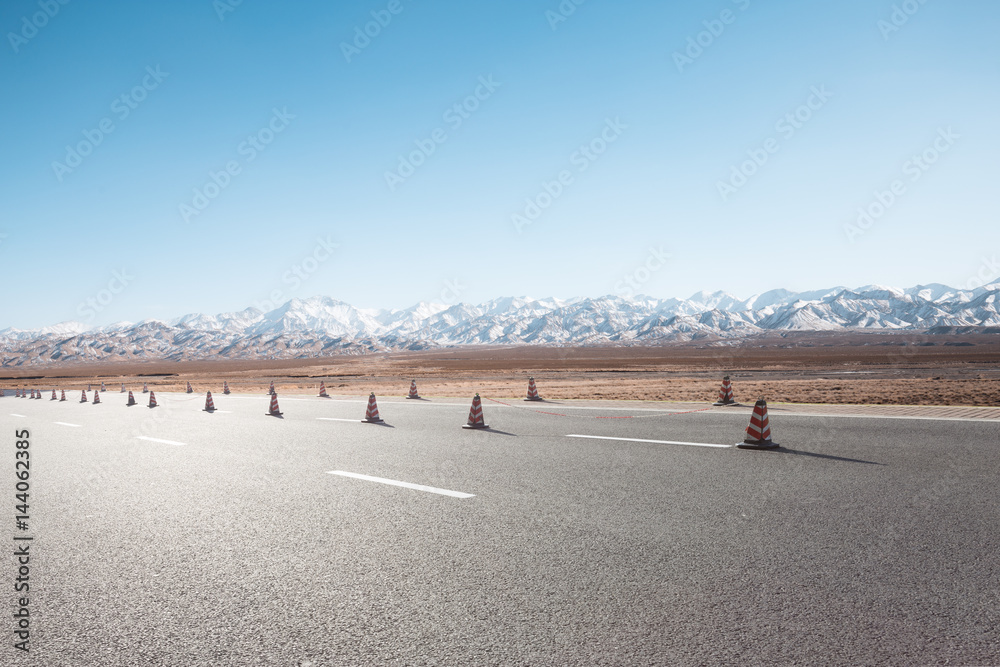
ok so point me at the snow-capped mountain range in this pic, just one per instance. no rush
(321, 326)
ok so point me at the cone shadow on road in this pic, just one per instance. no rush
(493, 430)
(797, 452)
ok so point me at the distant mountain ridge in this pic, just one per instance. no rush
(321, 326)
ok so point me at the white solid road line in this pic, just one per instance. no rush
(405, 485)
(67, 424)
(334, 419)
(21, 416)
(165, 442)
(656, 442)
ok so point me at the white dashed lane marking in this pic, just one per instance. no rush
(655, 442)
(165, 442)
(405, 485)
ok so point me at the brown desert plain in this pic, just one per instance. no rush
(835, 368)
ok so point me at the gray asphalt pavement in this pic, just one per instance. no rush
(861, 541)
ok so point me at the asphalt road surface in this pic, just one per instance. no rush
(172, 536)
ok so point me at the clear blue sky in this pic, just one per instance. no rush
(683, 126)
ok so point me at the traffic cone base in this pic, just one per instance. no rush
(762, 444)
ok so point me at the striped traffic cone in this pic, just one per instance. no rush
(476, 414)
(189, 389)
(83, 396)
(62, 395)
(152, 399)
(271, 389)
(89, 387)
(32, 393)
(225, 388)
(274, 411)
(413, 390)
(371, 414)
(97, 397)
(131, 399)
(123, 388)
(532, 391)
(145, 388)
(322, 390)
(209, 403)
(54, 397)
(726, 393)
(102, 387)
(759, 431)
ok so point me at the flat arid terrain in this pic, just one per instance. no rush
(896, 369)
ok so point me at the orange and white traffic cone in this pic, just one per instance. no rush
(131, 399)
(102, 387)
(32, 393)
(189, 389)
(413, 390)
(274, 411)
(726, 393)
(62, 395)
(97, 397)
(83, 396)
(54, 397)
(371, 414)
(209, 403)
(145, 388)
(123, 388)
(759, 431)
(225, 388)
(532, 391)
(476, 414)
(322, 390)
(152, 399)
(271, 389)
